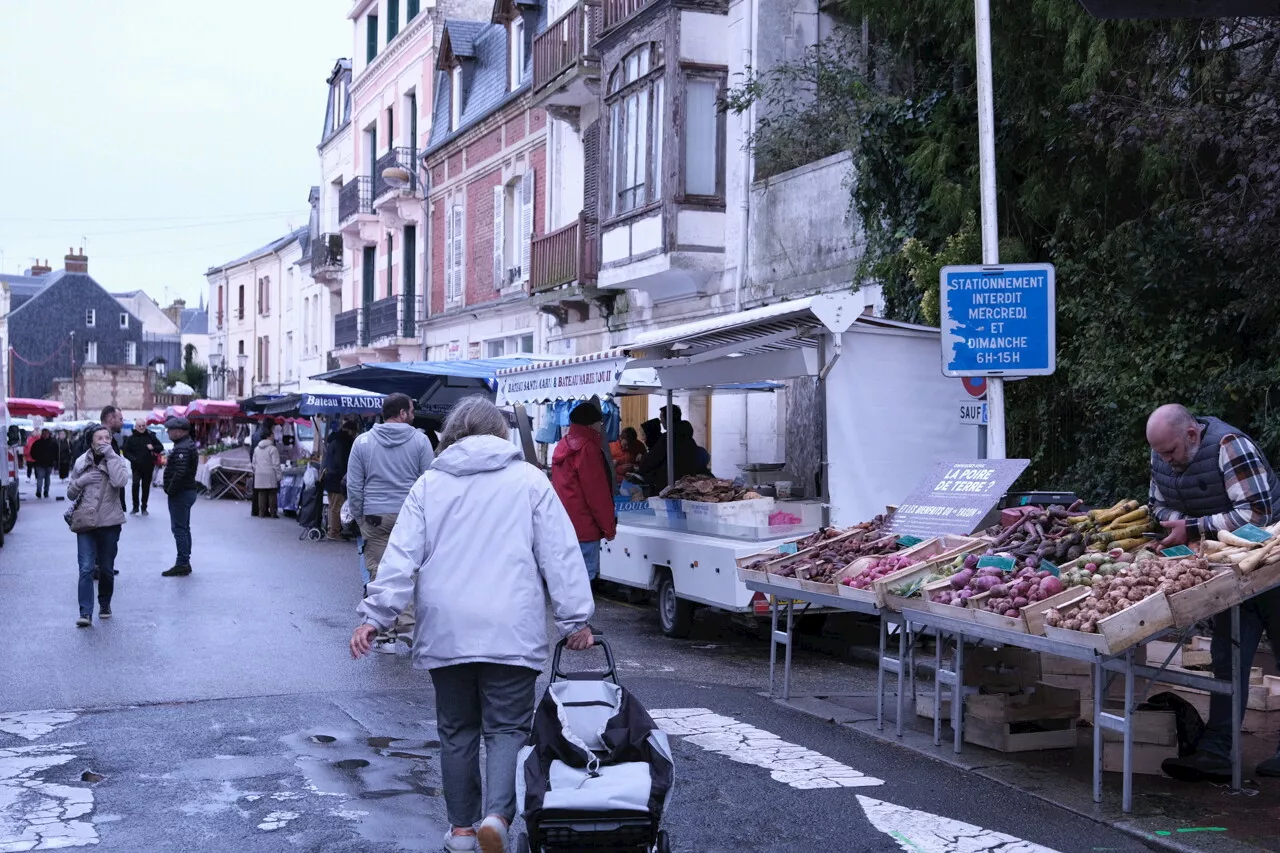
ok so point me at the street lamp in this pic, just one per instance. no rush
(218, 369)
(243, 360)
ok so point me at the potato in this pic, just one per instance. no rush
(1072, 624)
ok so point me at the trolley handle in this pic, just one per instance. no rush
(558, 674)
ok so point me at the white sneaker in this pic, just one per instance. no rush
(492, 835)
(387, 647)
(458, 843)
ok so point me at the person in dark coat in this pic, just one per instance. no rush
(44, 454)
(181, 487)
(337, 453)
(141, 449)
(65, 458)
(653, 468)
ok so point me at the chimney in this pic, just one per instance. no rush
(174, 312)
(77, 262)
(40, 269)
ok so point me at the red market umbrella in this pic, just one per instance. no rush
(157, 416)
(213, 409)
(175, 412)
(24, 407)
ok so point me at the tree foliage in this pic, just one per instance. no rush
(1141, 158)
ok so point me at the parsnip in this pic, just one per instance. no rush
(1228, 538)
(1256, 556)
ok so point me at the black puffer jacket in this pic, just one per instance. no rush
(180, 472)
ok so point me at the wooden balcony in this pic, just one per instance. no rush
(617, 11)
(566, 69)
(564, 257)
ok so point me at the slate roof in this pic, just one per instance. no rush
(484, 75)
(80, 278)
(23, 287)
(341, 71)
(195, 321)
(274, 246)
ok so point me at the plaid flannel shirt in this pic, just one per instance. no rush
(1246, 475)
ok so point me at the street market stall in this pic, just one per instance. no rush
(435, 386)
(686, 549)
(24, 407)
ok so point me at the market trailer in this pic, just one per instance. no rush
(890, 416)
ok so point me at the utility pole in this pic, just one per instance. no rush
(995, 432)
(75, 388)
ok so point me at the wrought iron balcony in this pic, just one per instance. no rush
(354, 199)
(405, 158)
(326, 254)
(384, 317)
(346, 329)
(564, 256)
(617, 11)
(565, 64)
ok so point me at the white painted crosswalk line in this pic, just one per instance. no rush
(922, 832)
(786, 762)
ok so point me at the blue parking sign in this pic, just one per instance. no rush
(998, 320)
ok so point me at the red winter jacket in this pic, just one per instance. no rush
(581, 479)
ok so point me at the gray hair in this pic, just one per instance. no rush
(473, 416)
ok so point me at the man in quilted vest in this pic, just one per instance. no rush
(1208, 476)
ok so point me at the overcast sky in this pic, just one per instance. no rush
(164, 137)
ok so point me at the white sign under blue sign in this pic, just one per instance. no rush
(998, 321)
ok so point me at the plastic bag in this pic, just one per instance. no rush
(310, 478)
(344, 514)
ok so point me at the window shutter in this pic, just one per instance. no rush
(499, 231)
(458, 237)
(448, 254)
(413, 6)
(591, 176)
(526, 224)
(371, 37)
(393, 19)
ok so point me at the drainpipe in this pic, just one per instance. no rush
(426, 250)
(748, 168)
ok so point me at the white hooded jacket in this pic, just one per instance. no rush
(482, 543)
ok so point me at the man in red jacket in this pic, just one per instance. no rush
(580, 475)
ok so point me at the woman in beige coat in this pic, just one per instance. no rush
(96, 517)
(266, 477)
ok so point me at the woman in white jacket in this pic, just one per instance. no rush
(480, 545)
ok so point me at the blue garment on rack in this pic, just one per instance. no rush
(556, 421)
(549, 432)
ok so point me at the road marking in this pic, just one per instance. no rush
(277, 820)
(786, 762)
(40, 815)
(33, 725)
(921, 832)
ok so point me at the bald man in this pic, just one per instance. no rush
(1208, 476)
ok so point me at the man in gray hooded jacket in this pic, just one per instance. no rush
(385, 463)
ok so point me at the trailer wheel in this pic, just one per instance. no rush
(675, 613)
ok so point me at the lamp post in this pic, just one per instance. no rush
(218, 370)
(243, 360)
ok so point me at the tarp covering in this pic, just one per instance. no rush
(175, 412)
(308, 405)
(213, 409)
(24, 407)
(156, 417)
(415, 378)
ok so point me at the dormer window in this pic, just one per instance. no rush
(455, 97)
(515, 39)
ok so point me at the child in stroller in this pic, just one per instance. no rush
(596, 772)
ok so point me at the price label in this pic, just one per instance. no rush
(788, 548)
(909, 541)
(1046, 566)
(1253, 533)
(1177, 551)
(1004, 564)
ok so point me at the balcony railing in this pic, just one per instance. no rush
(565, 43)
(346, 329)
(406, 159)
(326, 253)
(354, 198)
(617, 11)
(384, 317)
(564, 256)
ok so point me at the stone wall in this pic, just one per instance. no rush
(127, 388)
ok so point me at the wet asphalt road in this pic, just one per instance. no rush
(222, 712)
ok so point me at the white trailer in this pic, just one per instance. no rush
(890, 416)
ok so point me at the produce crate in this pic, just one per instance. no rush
(666, 509)
(1189, 655)
(1119, 631)
(1155, 728)
(928, 601)
(1031, 616)
(1146, 757)
(1056, 665)
(785, 560)
(945, 547)
(870, 596)
(1007, 669)
(1204, 600)
(1258, 580)
(933, 553)
(1042, 702)
(753, 576)
(1024, 736)
(779, 580)
(707, 517)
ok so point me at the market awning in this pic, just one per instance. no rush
(310, 405)
(582, 377)
(213, 409)
(175, 412)
(156, 416)
(256, 405)
(25, 407)
(434, 385)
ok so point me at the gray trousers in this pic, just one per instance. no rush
(474, 699)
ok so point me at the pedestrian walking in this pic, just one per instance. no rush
(28, 453)
(113, 419)
(385, 463)
(482, 520)
(65, 457)
(142, 448)
(266, 477)
(580, 475)
(96, 518)
(337, 455)
(45, 454)
(180, 486)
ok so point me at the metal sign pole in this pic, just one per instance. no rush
(990, 231)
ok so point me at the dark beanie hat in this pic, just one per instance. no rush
(585, 414)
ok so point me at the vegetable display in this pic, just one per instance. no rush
(877, 568)
(1248, 556)
(1054, 534)
(822, 563)
(1111, 594)
(1005, 592)
(700, 487)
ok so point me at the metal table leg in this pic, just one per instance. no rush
(786, 666)
(773, 640)
(937, 688)
(1099, 688)
(1126, 801)
(880, 673)
(902, 657)
(1236, 699)
(957, 695)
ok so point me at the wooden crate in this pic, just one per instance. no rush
(753, 576)
(1026, 736)
(1258, 580)
(1007, 669)
(868, 596)
(1119, 631)
(931, 553)
(1219, 593)
(1041, 702)
(1055, 665)
(924, 707)
(1146, 757)
(1183, 656)
(1158, 728)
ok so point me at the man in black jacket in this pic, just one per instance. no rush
(337, 453)
(44, 453)
(180, 486)
(141, 449)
